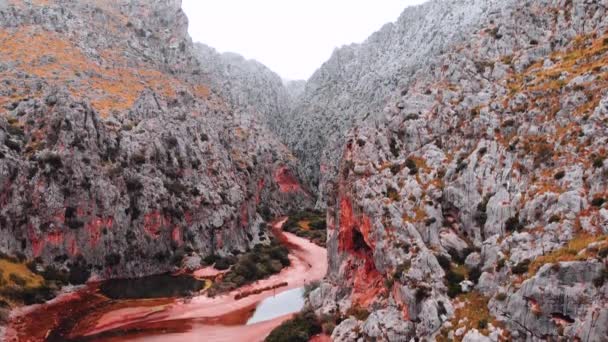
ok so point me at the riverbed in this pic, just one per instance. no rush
(88, 315)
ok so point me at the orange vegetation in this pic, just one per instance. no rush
(107, 80)
(568, 253)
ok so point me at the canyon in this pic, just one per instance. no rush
(458, 156)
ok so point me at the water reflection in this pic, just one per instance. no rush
(282, 304)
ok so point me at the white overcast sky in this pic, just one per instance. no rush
(291, 37)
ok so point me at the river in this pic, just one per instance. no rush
(88, 315)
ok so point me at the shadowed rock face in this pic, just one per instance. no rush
(117, 147)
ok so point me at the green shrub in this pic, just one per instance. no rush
(559, 175)
(308, 288)
(501, 296)
(598, 202)
(411, 164)
(474, 274)
(444, 262)
(522, 267)
(598, 162)
(358, 312)
(299, 329)
(513, 224)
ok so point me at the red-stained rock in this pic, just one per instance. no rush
(286, 180)
(244, 215)
(258, 195)
(367, 283)
(95, 227)
(176, 235)
(153, 223)
(73, 246)
(365, 228)
(55, 237)
(347, 222)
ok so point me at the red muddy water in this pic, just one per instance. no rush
(87, 315)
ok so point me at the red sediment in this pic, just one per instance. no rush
(88, 314)
(308, 263)
(286, 180)
(320, 338)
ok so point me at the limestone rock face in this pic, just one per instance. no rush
(482, 161)
(121, 149)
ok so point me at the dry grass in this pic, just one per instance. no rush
(108, 81)
(568, 253)
(419, 215)
(7, 268)
(474, 314)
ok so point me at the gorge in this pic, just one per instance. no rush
(450, 170)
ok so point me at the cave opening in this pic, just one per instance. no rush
(359, 244)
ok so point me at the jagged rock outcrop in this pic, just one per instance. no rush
(355, 84)
(250, 86)
(117, 152)
(486, 173)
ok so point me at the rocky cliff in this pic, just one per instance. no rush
(460, 152)
(472, 207)
(119, 153)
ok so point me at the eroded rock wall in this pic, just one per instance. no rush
(482, 184)
(117, 152)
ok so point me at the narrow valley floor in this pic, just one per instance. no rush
(86, 315)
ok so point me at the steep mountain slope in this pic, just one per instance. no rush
(486, 174)
(250, 86)
(356, 82)
(117, 154)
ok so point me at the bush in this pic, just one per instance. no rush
(513, 224)
(559, 175)
(328, 327)
(474, 274)
(112, 259)
(598, 202)
(223, 264)
(358, 312)
(411, 164)
(598, 162)
(554, 219)
(482, 324)
(522, 267)
(393, 194)
(79, 272)
(444, 262)
(601, 279)
(501, 296)
(299, 329)
(308, 288)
